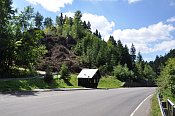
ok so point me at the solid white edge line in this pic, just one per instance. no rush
(132, 114)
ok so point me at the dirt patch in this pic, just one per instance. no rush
(59, 52)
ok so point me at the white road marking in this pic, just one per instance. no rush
(132, 114)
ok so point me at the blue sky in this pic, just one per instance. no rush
(148, 24)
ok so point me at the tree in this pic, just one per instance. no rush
(64, 72)
(111, 41)
(99, 35)
(126, 58)
(26, 18)
(96, 33)
(67, 27)
(48, 22)
(6, 11)
(31, 49)
(88, 25)
(6, 36)
(122, 72)
(59, 20)
(38, 20)
(133, 55)
(77, 27)
(85, 25)
(149, 74)
(166, 79)
(59, 24)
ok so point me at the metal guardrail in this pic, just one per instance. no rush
(167, 107)
(161, 106)
(170, 108)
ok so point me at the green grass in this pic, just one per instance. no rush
(35, 83)
(109, 82)
(38, 83)
(73, 82)
(155, 109)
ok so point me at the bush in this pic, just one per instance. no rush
(48, 78)
(122, 72)
(64, 72)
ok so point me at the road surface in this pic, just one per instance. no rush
(97, 102)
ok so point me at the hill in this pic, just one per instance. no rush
(161, 60)
(59, 52)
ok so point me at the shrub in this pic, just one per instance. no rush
(122, 72)
(64, 72)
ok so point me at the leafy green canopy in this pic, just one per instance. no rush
(167, 77)
(20, 41)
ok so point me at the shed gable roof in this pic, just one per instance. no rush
(87, 73)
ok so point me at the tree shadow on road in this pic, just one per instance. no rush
(20, 93)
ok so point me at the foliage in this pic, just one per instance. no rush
(148, 72)
(167, 77)
(20, 43)
(48, 22)
(38, 20)
(64, 72)
(133, 52)
(122, 73)
(30, 50)
(77, 26)
(6, 45)
(160, 61)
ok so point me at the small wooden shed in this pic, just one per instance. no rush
(89, 78)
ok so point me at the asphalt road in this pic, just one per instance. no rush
(98, 102)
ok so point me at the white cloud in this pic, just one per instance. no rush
(156, 37)
(133, 1)
(165, 45)
(51, 5)
(69, 14)
(172, 19)
(101, 23)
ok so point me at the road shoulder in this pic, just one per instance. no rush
(144, 107)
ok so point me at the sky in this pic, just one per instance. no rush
(148, 24)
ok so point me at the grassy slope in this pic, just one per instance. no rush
(109, 82)
(35, 83)
(155, 109)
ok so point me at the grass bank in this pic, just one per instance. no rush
(155, 109)
(109, 82)
(38, 83)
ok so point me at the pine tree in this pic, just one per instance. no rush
(133, 55)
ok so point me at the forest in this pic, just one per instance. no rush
(30, 41)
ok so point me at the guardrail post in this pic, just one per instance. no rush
(163, 111)
(171, 108)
